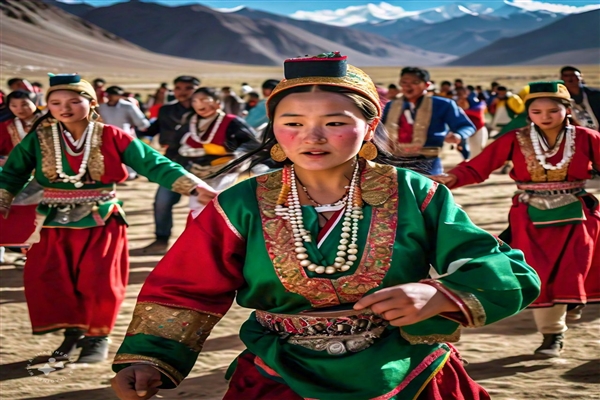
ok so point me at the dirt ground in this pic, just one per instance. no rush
(499, 356)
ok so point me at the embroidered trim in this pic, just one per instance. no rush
(429, 196)
(96, 161)
(536, 170)
(185, 184)
(185, 326)
(6, 198)
(468, 303)
(379, 187)
(431, 339)
(15, 138)
(226, 219)
(44, 133)
(420, 126)
(170, 372)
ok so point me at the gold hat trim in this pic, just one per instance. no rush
(82, 86)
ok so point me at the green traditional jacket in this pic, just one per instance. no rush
(95, 201)
(237, 248)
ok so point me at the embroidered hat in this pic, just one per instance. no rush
(328, 69)
(71, 82)
(550, 89)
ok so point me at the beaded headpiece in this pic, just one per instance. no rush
(550, 89)
(328, 69)
(71, 82)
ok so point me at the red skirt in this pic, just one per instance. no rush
(451, 383)
(566, 258)
(76, 278)
(19, 225)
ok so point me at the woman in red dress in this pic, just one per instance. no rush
(553, 220)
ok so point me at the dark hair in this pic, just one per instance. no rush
(569, 68)
(254, 94)
(471, 87)
(164, 85)
(458, 80)
(22, 94)
(210, 92)
(392, 86)
(367, 108)
(226, 88)
(37, 84)
(502, 88)
(245, 83)
(479, 87)
(446, 83)
(98, 80)
(421, 73)
(117, 90)
(270, 84)
(12, 81)
(187, 79)
(495, 84)
(564, 102)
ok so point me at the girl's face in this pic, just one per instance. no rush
(68, 106)
(547, 113)
(205, 106)
(320, 130)
(22, 108)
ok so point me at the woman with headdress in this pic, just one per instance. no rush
(17, 228)
(213, 139)
(77, 268)
(553, 220)
(334, 253)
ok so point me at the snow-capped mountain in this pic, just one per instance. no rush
(381, 12)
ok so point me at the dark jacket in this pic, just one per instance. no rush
(168, 127)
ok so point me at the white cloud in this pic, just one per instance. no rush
(229, 10)
(533, 5)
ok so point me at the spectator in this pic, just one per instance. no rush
(393, 91)
(446, 90)
(504, 108)
(257, 117)
(586, 109)
(98, 85)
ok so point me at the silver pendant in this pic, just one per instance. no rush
(78, 184)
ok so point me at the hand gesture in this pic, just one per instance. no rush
(407, 304)
(137, 382)
(205, 194)
(445, 179)
(453, 138)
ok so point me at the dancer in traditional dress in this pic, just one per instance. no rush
(77, 269)
(418, 125)
(214, 139)
(475, 110)
(15, 230)
(553, 220)
(334, 253)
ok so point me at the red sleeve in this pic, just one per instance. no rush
(491, 158)
(594, 148)
(6, 144)
(203, 269)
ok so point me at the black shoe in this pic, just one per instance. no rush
(552, 345)
(94, 349)
(575, 313)
(69, 344)
(157, 248)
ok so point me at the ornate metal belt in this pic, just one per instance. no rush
(74, 205)
(335, 332)
(550, 195)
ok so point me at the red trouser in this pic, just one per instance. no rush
(77, 278)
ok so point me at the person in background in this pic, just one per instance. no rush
(482, 95)
(246, 89)
(128, 96)
(98, 84)
(475, 110)
(446, 90)
(122, 113)
(393, 91)
(252, 99)
(418, 125)
(232, 103)
(39, 92)
(492, 93)
(168, 128)
(140, 101)
(505, 106)
(586, 107)
(257, 117)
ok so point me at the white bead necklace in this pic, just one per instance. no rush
(569, 137)
(76, 179)
(213, 131)
(20, 130)
(347, 249)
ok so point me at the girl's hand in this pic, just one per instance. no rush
(445, 179)
(205, 194)
(137, 382)
(407, 304)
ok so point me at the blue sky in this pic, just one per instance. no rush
(288, 7)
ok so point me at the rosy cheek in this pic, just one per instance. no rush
(285, 136)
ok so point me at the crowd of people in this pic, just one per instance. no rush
(346, 242)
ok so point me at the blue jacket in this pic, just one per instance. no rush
(446, 117)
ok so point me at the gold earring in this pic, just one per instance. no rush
(277, 153)
(368, 151)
